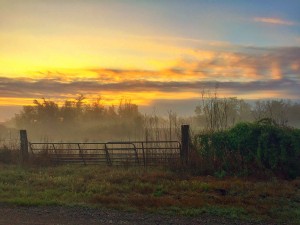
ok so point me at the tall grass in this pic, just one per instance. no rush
(9, 150)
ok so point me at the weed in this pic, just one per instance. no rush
(220, 174)
(205, 186)
(159, 191)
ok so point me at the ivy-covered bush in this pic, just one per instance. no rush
(251, 148)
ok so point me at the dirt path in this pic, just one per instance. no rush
(55, 215)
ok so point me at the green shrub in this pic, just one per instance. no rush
(252, 148)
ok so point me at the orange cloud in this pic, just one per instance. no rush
(276, 71)
(275, 21)
(242, 64)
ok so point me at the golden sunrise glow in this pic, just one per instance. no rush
(16, 101)
(108, 98)
(29, 53)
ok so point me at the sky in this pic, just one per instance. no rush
(156, 53)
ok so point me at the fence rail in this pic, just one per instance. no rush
(140, 153)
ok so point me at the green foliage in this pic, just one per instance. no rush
(220, 174)
(159, 191)
(251, 148)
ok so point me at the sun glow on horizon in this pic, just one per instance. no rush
(106, 98)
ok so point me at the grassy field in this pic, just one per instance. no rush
(152, 190)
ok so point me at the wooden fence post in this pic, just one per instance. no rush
(185, 143)
(23, 147)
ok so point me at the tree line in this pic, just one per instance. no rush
(78, 119)
(216, 114)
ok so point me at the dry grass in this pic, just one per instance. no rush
(154, 190)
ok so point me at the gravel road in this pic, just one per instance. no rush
(57, 215)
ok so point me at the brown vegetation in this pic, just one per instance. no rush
(152, 190)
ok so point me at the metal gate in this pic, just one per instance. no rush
(142, 153)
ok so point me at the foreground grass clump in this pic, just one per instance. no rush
(152, 190)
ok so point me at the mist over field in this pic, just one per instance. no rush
(80, 121)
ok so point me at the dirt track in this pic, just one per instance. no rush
(54, 215)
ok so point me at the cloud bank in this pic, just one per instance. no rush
(247, 72)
